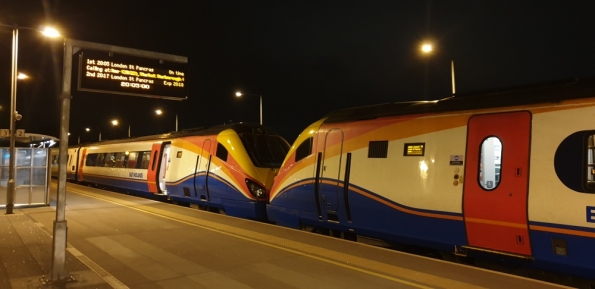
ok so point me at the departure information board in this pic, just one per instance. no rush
(116, 73)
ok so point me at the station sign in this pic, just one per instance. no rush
(120, 73)
(6, 132)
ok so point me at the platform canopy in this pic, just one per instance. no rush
(31, 140)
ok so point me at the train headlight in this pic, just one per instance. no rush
(256, 190)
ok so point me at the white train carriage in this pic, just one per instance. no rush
(507, 174)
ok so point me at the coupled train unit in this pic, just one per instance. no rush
(227, 168)
(500, 175)
(503, 175)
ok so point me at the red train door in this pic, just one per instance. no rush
(496, 182)
(81, 164)
(152, 177)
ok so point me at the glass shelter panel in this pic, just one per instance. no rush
(31, 173)
(40, 157)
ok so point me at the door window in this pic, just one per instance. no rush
(490, 163)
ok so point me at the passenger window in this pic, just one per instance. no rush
(110, 160)
(304, 150)
(100, 160)
(145, 159)
(222, 152)
(120, 160)
(490, 163)
(132, 159)
(91, 159)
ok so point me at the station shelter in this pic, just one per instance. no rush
(33, 164)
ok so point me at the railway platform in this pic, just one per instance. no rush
(121, 241)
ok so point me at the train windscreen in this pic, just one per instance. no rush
(265, 151)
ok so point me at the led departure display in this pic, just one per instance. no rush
(108, 72)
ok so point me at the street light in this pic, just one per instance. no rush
(427, 48)
(239, 94)
(160, 112)
(115, 122)
(79, 136)
(14, 116)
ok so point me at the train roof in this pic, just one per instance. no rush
(519, 95)
(214, 130)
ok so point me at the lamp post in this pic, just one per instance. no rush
(86, 130)
(115, 123)
(14, 115)
(239, 94)
(160, 112)
(427, 48)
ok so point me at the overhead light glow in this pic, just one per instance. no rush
(50, 32)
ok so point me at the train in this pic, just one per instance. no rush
(507, 175)
(226, 168)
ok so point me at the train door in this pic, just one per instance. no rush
(331, 173)
(496, 182)
(202, 171)
(164, 166)
(153, 177)
(71, 163)
(81, 164)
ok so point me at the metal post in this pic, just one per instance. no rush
(176, 122)
(60, 226)
(128, 130)
(11, 186)
(452, 73)
(261, 109)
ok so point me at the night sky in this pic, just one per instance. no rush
(306, 58)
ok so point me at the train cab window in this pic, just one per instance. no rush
(490, 163)
(265, 151)
(132, 160)
(303, 150)
(222, 152)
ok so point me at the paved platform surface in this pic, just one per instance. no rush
(121, 241)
